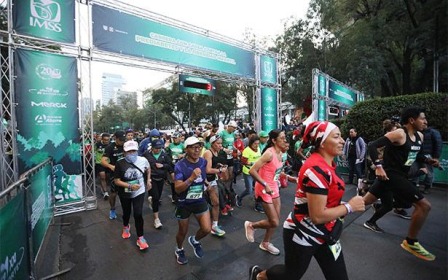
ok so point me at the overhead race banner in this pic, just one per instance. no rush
(192, 84)
(48, 19)
(14, 253)
(341, 94)
(41, 206)
(123, 33)
(268, 69)
(47, 118)
(322, 104)
(269, 115)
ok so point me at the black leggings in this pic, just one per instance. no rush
(137, 205)
(156, 193)
(298, 258)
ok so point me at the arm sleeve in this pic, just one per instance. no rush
(374, 145)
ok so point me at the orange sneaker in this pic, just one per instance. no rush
(126, 232)
(142, 244)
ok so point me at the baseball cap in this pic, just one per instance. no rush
(263, 134)
(191, 141)
(214, 138)
(232, 123)
(119, 134)
(176, 135)
(157, 144)
(130, 146)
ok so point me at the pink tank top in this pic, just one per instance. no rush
(270, 172)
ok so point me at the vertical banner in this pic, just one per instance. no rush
(269, 115)
(41, 207)
(47, 118)
(268, 69)
(14, 253)
(47, 19)
(322, 92)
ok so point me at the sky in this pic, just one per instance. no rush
(231, 19)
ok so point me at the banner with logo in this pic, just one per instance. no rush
(341, 94)
(269, 115)
(14, 253)
(322, 92)
(48, 19)
(123, 33)
(40, 194)
(268, 69)
(47, 118)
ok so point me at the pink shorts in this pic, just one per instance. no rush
(260, 193)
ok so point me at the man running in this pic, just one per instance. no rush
(402, 148)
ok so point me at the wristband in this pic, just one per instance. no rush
(378, 165)
(264, 184)
(348, 207)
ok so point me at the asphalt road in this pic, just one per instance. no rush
(89, 245)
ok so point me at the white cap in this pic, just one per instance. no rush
(233, 123)
(191, 141)
(130, 146)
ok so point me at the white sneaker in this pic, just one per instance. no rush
(249, 231)
(150, 202)
(157, 224)
(269, 247)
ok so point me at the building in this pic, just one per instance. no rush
(111, 83)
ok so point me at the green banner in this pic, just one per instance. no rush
(269, 115)
(268, 69)
(441, 176)
(192, 84)
(120, 32)
(341, 94)
(48, 19)
(14, 249)
(47, 118)
(41, 207)
(322, 104)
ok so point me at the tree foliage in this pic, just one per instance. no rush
(382, 48)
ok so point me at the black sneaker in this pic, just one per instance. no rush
(253, 272)
(198, 252)
(373, 227)
(402, 213)
(238, 201)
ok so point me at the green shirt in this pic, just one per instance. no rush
(176, 150)
(252, 157)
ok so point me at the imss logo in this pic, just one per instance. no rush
(46, 14)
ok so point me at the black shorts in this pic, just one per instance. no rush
(402, 189)
(184, 211)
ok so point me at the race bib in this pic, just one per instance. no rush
(412, 156)
(336, 249)
(195, 192)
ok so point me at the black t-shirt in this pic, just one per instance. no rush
(352, 148)
(114, 153)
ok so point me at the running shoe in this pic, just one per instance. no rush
(142, 244)
(269, 247)
(157, 224)
(254, 271)
(229, 207)
(216, 230)
(105, 195)
(373, 227)
(249, 231)
(197, 247)
(180, 256)
(225, 211)
(238, 201)
(259, 209)
(112, 214)
(402, 213)
(417, 250)
(126, 232)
